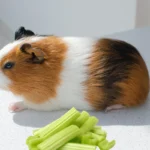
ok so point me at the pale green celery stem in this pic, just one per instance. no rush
(82, 118)
(59, 124)
(73, 146)
(88, 125)
(59, 139)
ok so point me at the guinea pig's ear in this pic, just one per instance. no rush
(36, 54)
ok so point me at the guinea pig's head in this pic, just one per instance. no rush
(31, 67)
(19, 61)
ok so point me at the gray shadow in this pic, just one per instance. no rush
(138, 116)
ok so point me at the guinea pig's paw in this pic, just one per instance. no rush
(16, 107)
(114, 107)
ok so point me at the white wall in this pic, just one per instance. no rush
(149, 12)
(70, 17)
(143, 13)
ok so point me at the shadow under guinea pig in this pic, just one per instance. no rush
(134, 116)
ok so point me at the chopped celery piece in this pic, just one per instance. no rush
(59, 139)
(97, 127)
(34, 148)
(34, 142)
(76, 140)
(82, 118)
(111, 144)
(92, 142)
(64, 121)
(99, 131)
(88, 125)
(106, 145)
(103, 144)
(98, 137)
(91, 138)
(29, 138)
(85, 139)
(73, 146)
(88, 134)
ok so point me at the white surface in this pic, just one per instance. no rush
(70, 17)
(130, 128)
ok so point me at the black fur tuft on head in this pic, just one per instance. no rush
(22, 32)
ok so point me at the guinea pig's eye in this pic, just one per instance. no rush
(8, 65)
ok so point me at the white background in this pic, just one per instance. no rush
(75, 17)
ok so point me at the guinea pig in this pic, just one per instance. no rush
(52, 73)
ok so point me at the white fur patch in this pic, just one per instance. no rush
(35, 39)
(46, 106)
(6, 49)
(71, 92)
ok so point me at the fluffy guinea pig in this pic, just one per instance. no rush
(52, 73)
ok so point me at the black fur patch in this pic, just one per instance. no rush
(22, 32)
(117, 61)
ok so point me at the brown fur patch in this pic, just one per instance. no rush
(117, 75)
(94, 92)
(37, 82)
(136, 88)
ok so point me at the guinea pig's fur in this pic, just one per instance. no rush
(51, 73)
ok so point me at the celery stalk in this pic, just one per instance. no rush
(111, 144)
(34, 142)
(85, 139)
(92, 142)
(88, 125)
(76, 140)
(34, 149)
(99, 131)
(29, 138)
(61, 123)
(88, 134)
(91, 138)
(106, 145)
(82, 118)
(98, 137)
(59, 139)
(97, 127)
(73, 146)
(103, 144)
